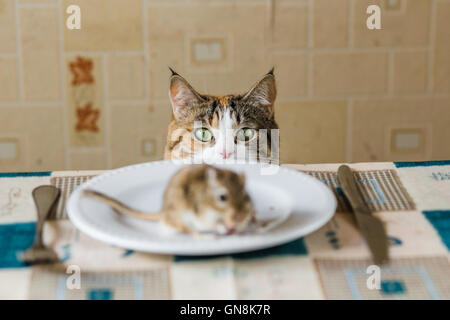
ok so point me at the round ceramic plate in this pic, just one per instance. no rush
(297, 203)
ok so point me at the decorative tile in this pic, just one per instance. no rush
(376, 122)
(226, 40)
(9, 149)
(213, 53)
(85, 101)
(119, 28)
(407, 278)
(408, 140)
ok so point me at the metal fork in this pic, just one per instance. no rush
(45, 199)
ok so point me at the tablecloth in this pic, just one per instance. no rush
(411, 198)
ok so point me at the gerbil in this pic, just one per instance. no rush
(198, 199)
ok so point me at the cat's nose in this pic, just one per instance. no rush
(226, 154)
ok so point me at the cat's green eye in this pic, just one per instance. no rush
(245, 134)
(203, 134)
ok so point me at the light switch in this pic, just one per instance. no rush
(9, 149)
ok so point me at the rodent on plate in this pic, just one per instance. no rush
(198, 199)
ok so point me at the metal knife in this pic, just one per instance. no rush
(371, 227)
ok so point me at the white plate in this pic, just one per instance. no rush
(301, 203)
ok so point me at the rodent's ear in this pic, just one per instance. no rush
(182, 95)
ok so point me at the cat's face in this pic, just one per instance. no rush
(215, 129)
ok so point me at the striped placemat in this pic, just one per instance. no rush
(381, 189)
(67, 185)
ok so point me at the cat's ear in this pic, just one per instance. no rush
(264, 92)
(181, 94)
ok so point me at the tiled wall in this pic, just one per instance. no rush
(96, 98)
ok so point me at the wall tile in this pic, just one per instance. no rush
(38, 131)
(422, 121)
(105, 25)
(91, 160)
(442, 48)
(8, 79)
(139, 132)
(408, 26)
(290, 26)
(7, 27)
(85, 109)
(290, 73)
(330, 23)
(40, 55)
(347, 73)
(170, 44)
(311, 131)
(126, 76)
(410, 71)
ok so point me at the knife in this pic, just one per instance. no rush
(371, 227)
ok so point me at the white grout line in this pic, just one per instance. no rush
(103, 52)
(375, 96)
(106, 111)
(64, 105)
(351, 14)
(38, 5)
(348, 130)
(390, 73)
(431, 48)
(353, 50)
(309, 65)
(19, 53)
(146, 50)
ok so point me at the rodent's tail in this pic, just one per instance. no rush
(121, 207)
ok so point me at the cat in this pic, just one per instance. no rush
(216, 129)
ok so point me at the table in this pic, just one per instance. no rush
(411, 198)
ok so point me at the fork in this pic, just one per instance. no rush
(45, 199)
